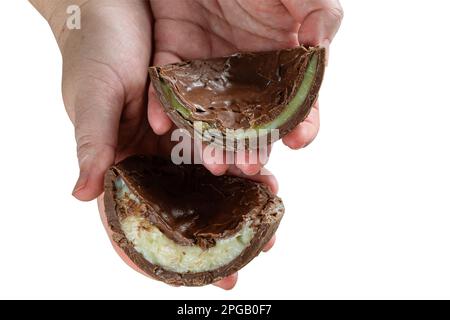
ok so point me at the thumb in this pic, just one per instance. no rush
(98, 108)
(319, 20)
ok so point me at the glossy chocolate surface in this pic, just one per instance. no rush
(241, 91)
(154, 181)
(188, 203)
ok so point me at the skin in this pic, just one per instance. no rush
(105, 85)
(194, 29)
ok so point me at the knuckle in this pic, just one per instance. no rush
(94, 153)
(88, 144)
(92, 146)
(336, 12)
(85, 147)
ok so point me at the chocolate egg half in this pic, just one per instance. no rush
(243, 94)
(184, 226)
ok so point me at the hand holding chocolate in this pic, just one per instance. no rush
(184, 226)
(252, 92)
(179, 223)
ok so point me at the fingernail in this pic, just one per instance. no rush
(81, 182)
(251, 170)
(217, 170)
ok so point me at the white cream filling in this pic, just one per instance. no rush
(158, 249)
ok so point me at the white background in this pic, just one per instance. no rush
(367, 205)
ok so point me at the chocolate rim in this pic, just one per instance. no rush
(264, 222)
(301, 114)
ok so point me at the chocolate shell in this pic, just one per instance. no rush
(184, 226)
(259, 91)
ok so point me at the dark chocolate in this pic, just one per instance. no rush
(192, 207)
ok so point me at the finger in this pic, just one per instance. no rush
(264, 176)
(98, 109)
(305, 132)
(250, 162)
(214, 159)
(249, 169)
(227, 283)
(158, 119)
(319, 19)
(269, 244)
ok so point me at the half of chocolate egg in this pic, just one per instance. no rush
(243, 94)
(184, 226)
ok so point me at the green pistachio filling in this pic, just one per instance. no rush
(170, 96)
(298, 100)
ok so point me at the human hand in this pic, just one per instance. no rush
(105, 86)
(194, 29)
